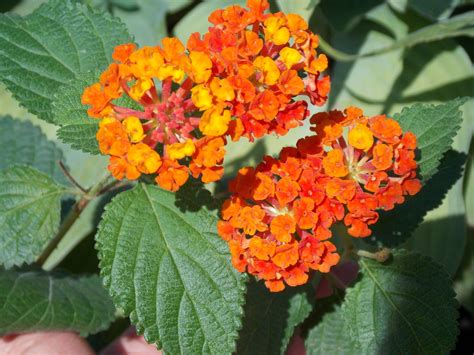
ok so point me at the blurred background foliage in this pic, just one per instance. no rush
(424, 66)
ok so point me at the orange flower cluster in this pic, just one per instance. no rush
(277, 221)
(168, 110)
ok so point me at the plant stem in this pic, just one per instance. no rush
(72, 217)
(381, 256)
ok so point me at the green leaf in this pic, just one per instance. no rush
(395, 226)
(196, 19)
(457, 26)
(29, 214)
(331, 336)
(147, 21)
(435, 126)
(42, 51)
(38, 301)
(305, 8)
(23, 143)
(76, 127)
(463, 281)
(166, 267)
(342, 15)
(271, 318)
(404, 306)
(433, 9)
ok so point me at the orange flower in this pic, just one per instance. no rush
(250, 219)
(282, 227)
(334, 164)
(172, 175)
(261, 248)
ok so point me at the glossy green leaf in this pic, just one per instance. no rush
(37, 301)
(331, 336)
(165, 266)
(342, 15)
(461, 25)
(305, 8)
(196, 19)
(271, 318)
(147, 20)
(405, 305)
(22, 143)
(433, 9)
(397, 225)
(42, 51)
(29, 213)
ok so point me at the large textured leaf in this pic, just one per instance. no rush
(22, 143)
(29, 214)
(42, 51)
(395, 226)
(435, 126)
(165, 266)
(38, 301)
(77, 128)
(331, 336)
(404, 306)
(270, 318)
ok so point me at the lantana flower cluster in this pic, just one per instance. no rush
(169, 110)
(277, 221)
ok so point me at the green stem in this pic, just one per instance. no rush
(72, 217)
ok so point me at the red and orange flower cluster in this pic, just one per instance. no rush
(277, 221)
(168, 110)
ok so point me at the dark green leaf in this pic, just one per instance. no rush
(433, 9)
(435, 126)
(405, 306)
(395, 226)
(29, 214)
(42, 51)
(37, 301)
(166, 267)
(271, 318)
(331, 336)
(342, 15)
(22, 143)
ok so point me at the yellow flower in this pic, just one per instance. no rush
(268, 68)
(215, 121)
(222, 89)
(201, 97)
(361, 137)
(290, 56)
(134, 129)
(178, 151)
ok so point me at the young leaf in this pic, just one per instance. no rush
(395, 226)
(54, 302)
(166, 267)
(42, 51)
(29, 213)
(435, 127)
(23, 143)
(331, 336)
(406, 304)
(271, 318)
